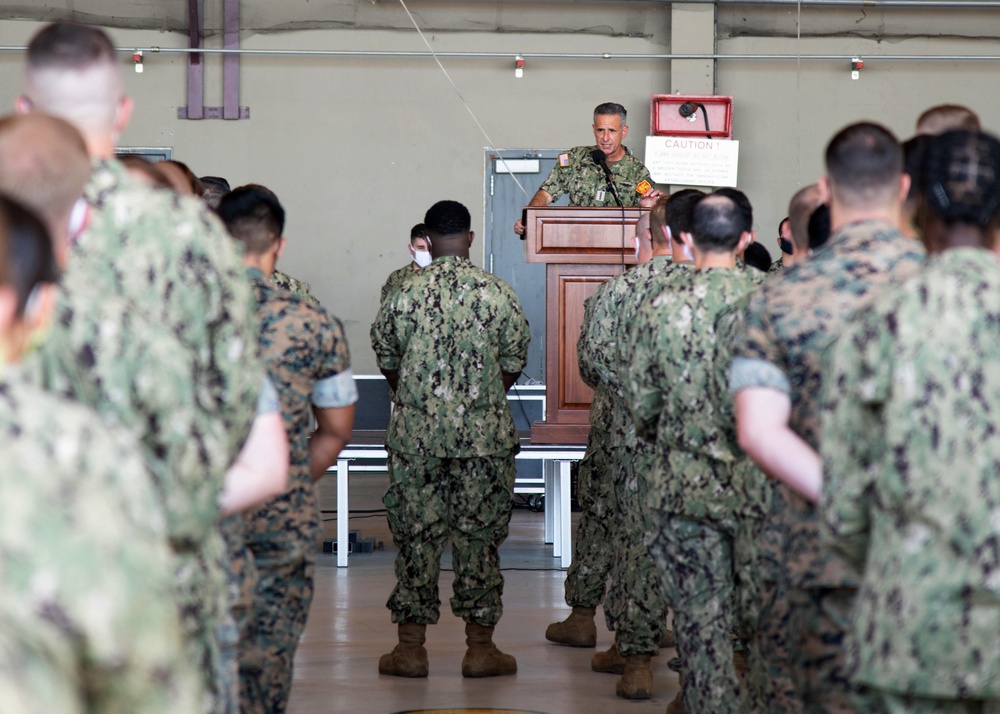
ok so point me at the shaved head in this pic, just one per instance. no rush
(803, 203)
(73, 73)
(44, 164)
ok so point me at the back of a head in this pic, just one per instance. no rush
(448, 218)
(254, 216)
(961, 178)
(73, 72)
(864, 162)
(718, 224)
(418, 231)
(803, 203)
(819, 227)
(757, 256)
(181, 177)
(611, 109)
(945, 117)
(144, 171)
(27, 258)
(677, 210)
(44, 165)
(741, 200)
(642, 226)
(215, 188)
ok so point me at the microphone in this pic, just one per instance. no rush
(601, 160)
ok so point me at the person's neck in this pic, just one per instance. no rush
(450, 254)
(705, 261)
(617, 156)
(661, 250)
(100, 147)
(260, 262)
(841, 215)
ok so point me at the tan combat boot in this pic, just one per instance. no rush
(577, 630)
(637, 681)
(609, 661)
(408, 658)
(676, 706)
(483, 658)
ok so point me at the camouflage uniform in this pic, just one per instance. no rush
(776, 267)
(87, 621)
(299, 288)
(309, 363)
(585, 182)
(698, 498)
(911, 494)
(451, 332)
(395, 279)
(596, 532)
(790, 321)
(636, 609)
(171, 260)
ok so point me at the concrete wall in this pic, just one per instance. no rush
(357, 149)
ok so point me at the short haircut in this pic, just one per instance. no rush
(864, 162)
(418, 231)
(448, 218)
(43, 164)
(658, 221)
(215, 188)
(782, 222)
(718, 224)
(819, 227)
(803, 203)
(193, 182)
(944, 117)
(741, 201)
(611, 109)
(27, 256)
(913, 161)
(152, 175)
(677, 212)
(69, 45)
(757, 256)
(961, 177)
(254, 216)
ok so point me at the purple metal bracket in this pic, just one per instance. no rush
(196, 68)
(231, 61)
(196, 108)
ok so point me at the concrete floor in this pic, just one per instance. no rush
(336, 669)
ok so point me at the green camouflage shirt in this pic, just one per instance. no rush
(586, 183)
(395, 279)
(600, 413)
(451, 332)
(308, 360)
(299, 288)
(87, 622)
(910, 463)
(790, 321)
(678, 396)
(607, 337)
(170, 258)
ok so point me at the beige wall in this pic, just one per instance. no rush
(357, 149)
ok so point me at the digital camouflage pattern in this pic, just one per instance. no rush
(431, 501)
(790, 321)
(99, 352)
(696, 561)
(395, 279)
(299, 288)
(87, 621)
(596, 531)
(584, 181)
(302, 347)
(776, 267)
(638, 609)
(170, 258)
(677, 395)
(451, 332)
(911, 496)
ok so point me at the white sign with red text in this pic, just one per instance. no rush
(690, 161)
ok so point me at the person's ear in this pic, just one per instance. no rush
(472, 237)
(745, 240)
(624, 132)
(825, 191)
(123, 114)
(280, 249)
(904, 187)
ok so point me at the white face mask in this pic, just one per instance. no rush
(421, 257)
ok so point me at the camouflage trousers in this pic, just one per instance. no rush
(281, 607)
(242, 579)
(878, 702)
(695, 560)
(431, 500)
(210, 635)
(819, 620)
(593, 542)
(637, 607)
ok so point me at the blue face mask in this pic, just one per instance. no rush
(786, 245)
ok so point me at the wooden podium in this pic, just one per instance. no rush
(582, 248)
